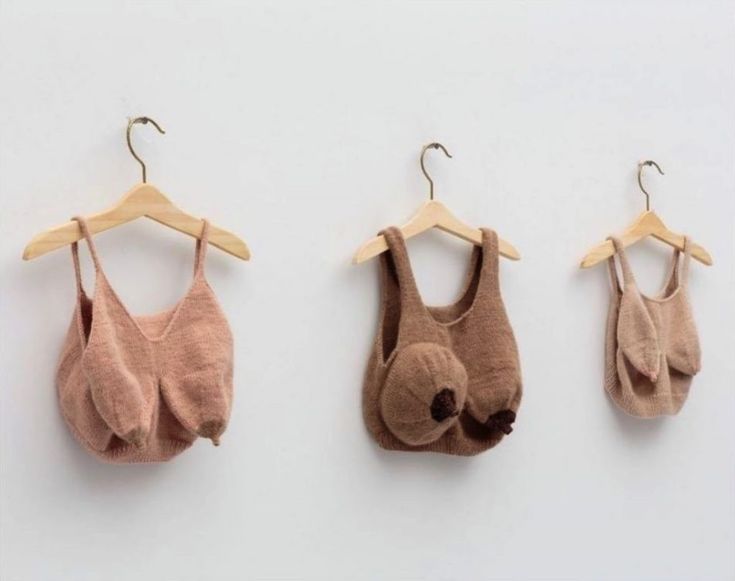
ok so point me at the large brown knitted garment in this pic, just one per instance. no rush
(142, 388)
(442, 379)
(652, 349)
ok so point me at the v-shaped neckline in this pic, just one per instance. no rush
(102, 281)
(135, 319)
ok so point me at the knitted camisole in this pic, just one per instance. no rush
(442, 379)
(652, 349)
(142, 388)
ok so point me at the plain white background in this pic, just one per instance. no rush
(299, 127)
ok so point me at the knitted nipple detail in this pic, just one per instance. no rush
(424, 392)
(502, 421)
(444, 405)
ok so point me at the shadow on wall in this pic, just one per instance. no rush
(635, 430)
(436, 467)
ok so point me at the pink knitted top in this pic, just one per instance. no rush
(143, 388)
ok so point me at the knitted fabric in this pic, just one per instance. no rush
(652, 348)
(442, 379)
(143, 388)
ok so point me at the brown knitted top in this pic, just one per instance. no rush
(442, 379)
(651, 349)
(142, 388)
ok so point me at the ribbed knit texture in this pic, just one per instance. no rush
(652, 348)
(442, 379)
(143, 388)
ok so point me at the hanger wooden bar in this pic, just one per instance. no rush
(144, 200)
(432, 214)
(647, 224)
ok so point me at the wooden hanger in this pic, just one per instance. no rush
(432, 214)
(143, 200)
(646, 224)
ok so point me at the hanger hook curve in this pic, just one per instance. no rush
(423, 167)
(641, 165)
(143, 121)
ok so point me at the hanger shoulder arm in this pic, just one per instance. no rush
(228, 242)
(51, 239)
(474, 235)
(677, 241)
(218, 237)
(427, 217)
(370, 249)
(448, 222)
(131, 206)
(149, 201)
(701, 255)
(507, 250)
(599, 253)
(69, 232)
(606, 249)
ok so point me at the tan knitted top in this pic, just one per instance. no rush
(442, 379)
(142, 388)
(652, 349)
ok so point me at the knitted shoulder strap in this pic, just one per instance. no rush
(624, 264)
(402, 266)
(75, 253)
(684, 275)
(679, 269)
(409, 316)
(490, 259)
(201, 248)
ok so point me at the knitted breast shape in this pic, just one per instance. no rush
(424, 392)
(637, 336)
(683, 352)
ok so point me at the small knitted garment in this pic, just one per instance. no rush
(142, 388)
(651, 349)
(442, 379)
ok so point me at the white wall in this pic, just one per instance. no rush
(299, 127)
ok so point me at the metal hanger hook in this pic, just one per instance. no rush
(143, 121)
(423, 168)
(641, 165)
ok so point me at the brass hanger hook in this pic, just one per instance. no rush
(641, 165)
(144, 121)
(423, 168)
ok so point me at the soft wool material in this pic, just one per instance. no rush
(652, 348)
(442, 379)
(141, 389)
